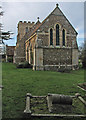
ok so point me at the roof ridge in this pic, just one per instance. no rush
(67, 19)
(35, 30)
(62, 14)
(43, 22)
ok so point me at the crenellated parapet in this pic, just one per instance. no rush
(23, 28)
(26, 22)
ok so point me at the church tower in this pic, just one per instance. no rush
(23, 28)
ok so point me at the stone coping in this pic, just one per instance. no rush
(81, 88)
(59, 115)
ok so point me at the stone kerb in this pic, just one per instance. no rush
(77, 95)
(27, 110)
(63, 103)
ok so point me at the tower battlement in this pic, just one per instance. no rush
(26, 22)
(23, 28)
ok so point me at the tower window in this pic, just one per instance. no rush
(57, 34)
(51, 36)
(26, 29)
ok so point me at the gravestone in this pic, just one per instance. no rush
(58, 103)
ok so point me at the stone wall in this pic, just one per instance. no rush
(39, 59)
(44, 38)
(19, 53)
(56, 56)
(53, 59)
(10, 50)
(75, 59)
(9, 53)
(57, 17)
(51, 22)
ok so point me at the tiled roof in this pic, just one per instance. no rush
(33, 30)
(37, 26)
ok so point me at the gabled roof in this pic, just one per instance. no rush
(57, 12)
(37, 25)
(33, 30)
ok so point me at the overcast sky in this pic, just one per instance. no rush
(29, 11)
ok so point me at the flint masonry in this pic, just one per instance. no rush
(49, 45)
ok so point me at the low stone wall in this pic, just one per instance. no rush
(53, 67)
(75, 67)
(57, 68)
(38, 68)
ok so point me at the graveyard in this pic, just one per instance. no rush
(18, 82)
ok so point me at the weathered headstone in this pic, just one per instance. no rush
(56, 100)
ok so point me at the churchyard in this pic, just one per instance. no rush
(18, 82)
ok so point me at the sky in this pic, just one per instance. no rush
(15, 11)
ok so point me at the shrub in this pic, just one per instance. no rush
(3, 60)
(64, 70)
(80, 64)
(20, 65)
(24, 65)
(83, 55)
(10, 59)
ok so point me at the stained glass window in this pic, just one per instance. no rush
(57, 34)
(63, 37)
(51, 36)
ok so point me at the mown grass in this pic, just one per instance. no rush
(17, 82)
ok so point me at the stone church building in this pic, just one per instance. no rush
(49, 45)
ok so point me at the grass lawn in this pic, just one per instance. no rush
(17, 82)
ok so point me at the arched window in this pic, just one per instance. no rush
(63, 37)
(51, 36)
(57, 34)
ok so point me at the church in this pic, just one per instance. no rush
(47, 45)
